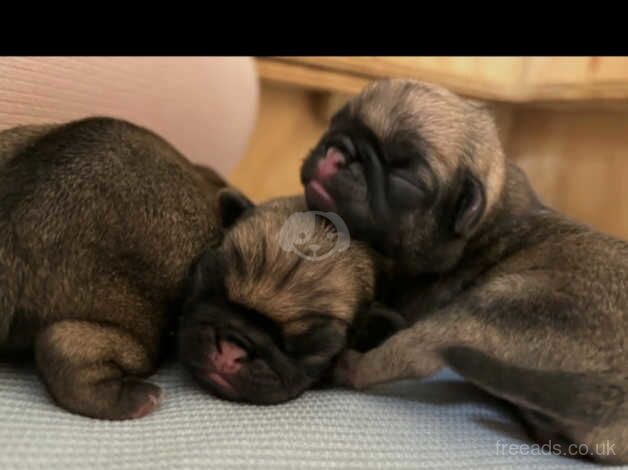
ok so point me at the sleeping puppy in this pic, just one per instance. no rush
(100, 221)
(519, 299)
(268, 312)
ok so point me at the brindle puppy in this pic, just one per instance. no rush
(519, 299)
(100, 221)
(270, 310)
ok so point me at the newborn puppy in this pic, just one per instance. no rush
(519, 299)
(270, 309)
(100, 221)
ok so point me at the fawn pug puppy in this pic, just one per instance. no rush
(269, 311)
(100, 221)
(519, 299)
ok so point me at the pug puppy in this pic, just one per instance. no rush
(519, 299)
(100, 221)
(270, 309)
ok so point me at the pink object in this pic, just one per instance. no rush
(204, 106)
(328, 166)
(318, 191)
(219, 380)
(227, 358)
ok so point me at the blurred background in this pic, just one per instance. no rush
(563, 119)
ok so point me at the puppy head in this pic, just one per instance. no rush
(314, 236)
(411, 168)
(270, 309)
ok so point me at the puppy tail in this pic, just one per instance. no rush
(593, 398)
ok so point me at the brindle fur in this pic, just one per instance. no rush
(286, 286)
(292, 315)
(100, 221)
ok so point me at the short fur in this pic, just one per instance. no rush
(287, 286)
(519, 299)
(286, 316)
(100, 221)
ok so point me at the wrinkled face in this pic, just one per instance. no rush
(240, 354)
(263, 323)
(410, 168)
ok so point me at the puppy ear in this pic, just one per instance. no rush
(470, 205)
(231, 205)
(206, 276)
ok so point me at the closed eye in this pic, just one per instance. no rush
(402, 160)
(318, 334)
(408, 176)
(401, 164)
(405, 190)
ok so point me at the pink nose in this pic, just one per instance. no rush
(227, 358)
(328, 166)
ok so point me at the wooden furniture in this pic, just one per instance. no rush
(509, 79)
(564, 120)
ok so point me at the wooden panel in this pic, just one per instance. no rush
(296, 74)
(286, 130)
(578, 163)
(510, 79)
(491, 78)
(576, 78)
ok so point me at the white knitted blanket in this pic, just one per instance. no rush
(441, 423)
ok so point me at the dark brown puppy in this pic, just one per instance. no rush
(264, 322)
(100, 221)
(522, 301)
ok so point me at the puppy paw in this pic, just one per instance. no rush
(138, 398)
(345, 373)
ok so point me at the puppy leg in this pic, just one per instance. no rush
(499, 320)
(94, 370)
(399, 357)
(486, 340)
(373, 325)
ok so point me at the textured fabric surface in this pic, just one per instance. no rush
(442, 423)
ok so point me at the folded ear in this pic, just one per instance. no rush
(231, 205)
(206, 276)
(470, 206)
